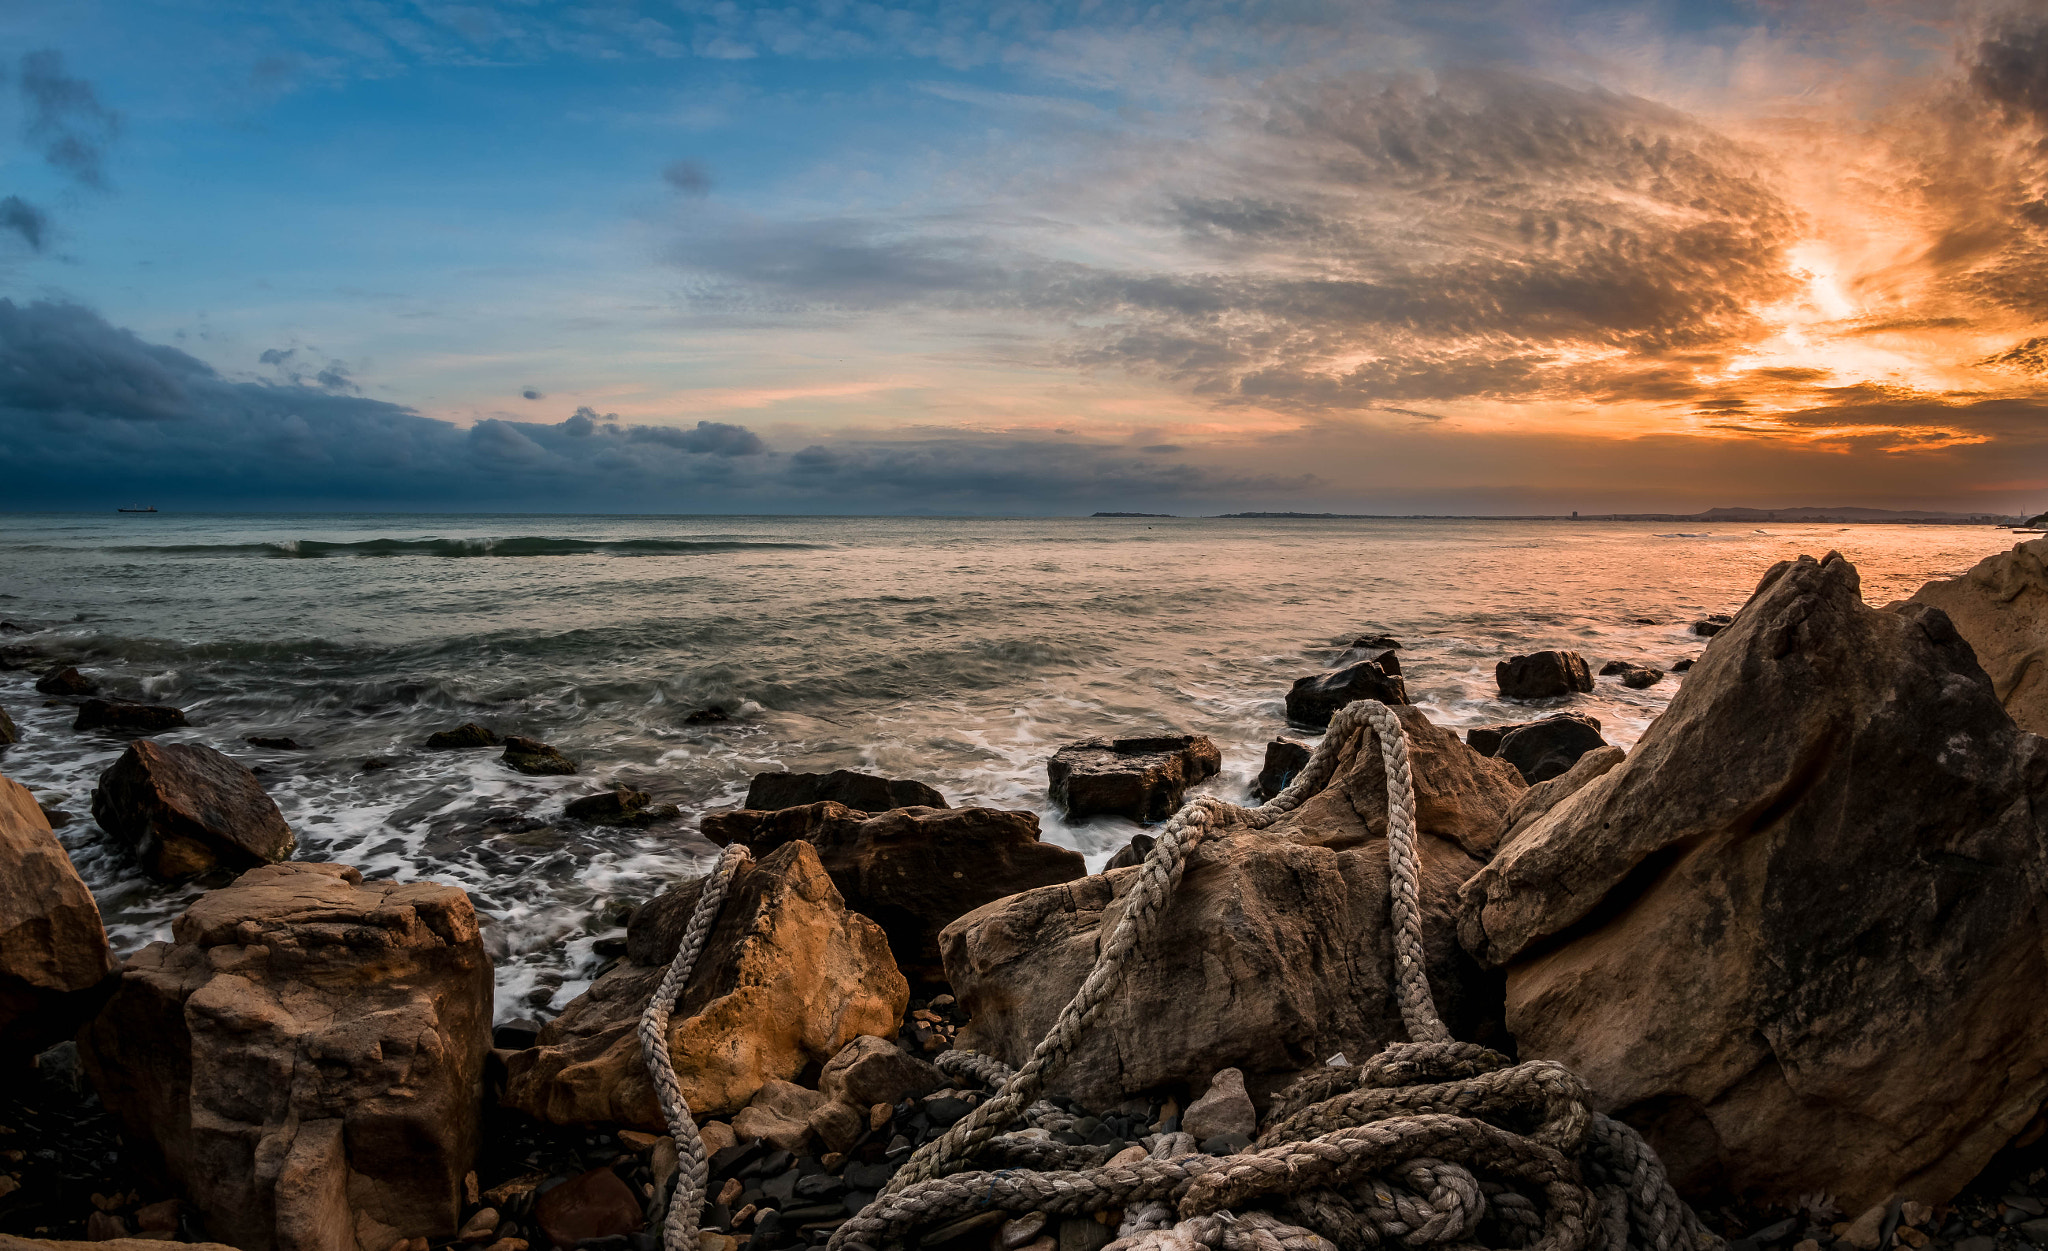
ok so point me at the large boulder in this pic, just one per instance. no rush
(1275, 952)
(1140, 778)
(913, 870)
(1791, 936)
(1313, 700)
(2000, 607)
(862, 792)
(185, 808)
(53, 949)
(1543, 675)
(786, 979)
(1539, 750)
(304, 1059)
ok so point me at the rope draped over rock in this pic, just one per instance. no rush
(1431, 1143)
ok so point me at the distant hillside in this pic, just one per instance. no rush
(1808, 513)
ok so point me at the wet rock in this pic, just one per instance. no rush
(468, 734)
(375, 764)
(871, 1070)
(713, 715)
(120, 714)
(595, 1204)
(1797, 910)
(1641, 678)
(1224, 1108)
(2000, 607)
(1543, 675)
(861, 792)
(913, 870)
(1375, 642)
(1616, 667)
(1284, 759)
(275, 742)
(53, 950)
(185, 808)
(1140, 778)
(1133, 852)
(1275, 953)
(1682, 666)
(66, 682)
(1708, 627)
(787, 978)
(1313, 700)
(780, 1115)
(305, 1055)
(9, 733)
(1541, 750)
(620, 807)
(530, 755)
(515, 1035)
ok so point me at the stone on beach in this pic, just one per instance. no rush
(1140, 778)
(530, 755)
(1284, 759)
(871, 1070)
(1313, 700)
(304, 1057)
(594, 1204)
(1543, 675)
(2000, 607)
(1539, 750)
(863, 792)
(185, 808)
(1641, 678)
(121, 714)
(1275, 954)
(787, 977)
(53, 949)
(1798, 910)
(912, 870)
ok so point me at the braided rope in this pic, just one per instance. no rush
(679, 1224)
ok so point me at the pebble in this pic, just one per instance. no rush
(1914, 1212)
(1025, 1228)
(480, 1227)
(635, 1141)
(2024, 1203)
(878, 1116)
(729, 1193)
(1130, 1155)
(1866, 1231)
(1806, 1244)
(470, 1196)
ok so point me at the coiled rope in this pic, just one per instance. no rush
(1433, 1142)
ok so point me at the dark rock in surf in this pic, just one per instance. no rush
(1682, 666)
(119, 714)
(1140, 778)
(1543, 675)
(468, 734)
(620, 807)
(374, 764)
(1313, 700)
(1284, 759)
(9, 732)
(274, 742)
(530, 755)
(66, 682)
(1133, 852)
(1376, 642)
(1614, 667)
(1708, 627)
(714, 715)
(862, 792)
(53, 950)
(1539, 750)
(185, 809)
(1641, 677)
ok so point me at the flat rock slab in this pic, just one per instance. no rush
(185, 808)
(1144, 779)
(120, 714)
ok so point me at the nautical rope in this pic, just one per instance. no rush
(679, 1226)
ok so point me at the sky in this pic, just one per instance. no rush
(1023, 257)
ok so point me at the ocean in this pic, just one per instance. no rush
(959, 652)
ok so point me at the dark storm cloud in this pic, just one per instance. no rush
(65, 119)
(688, 177)
(2011, 69)
(532, 394)
(25, 220)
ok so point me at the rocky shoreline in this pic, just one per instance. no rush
(1789, 937)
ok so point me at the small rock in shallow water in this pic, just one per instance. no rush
(531, 756)
(120, 714)
(1642, 679)
(66, 681)
(1284, 759)
(279, 743)
(1140, 778)
(468, 734)
(1542, 675)
(714, 715)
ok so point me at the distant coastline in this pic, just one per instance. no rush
(1847, 516)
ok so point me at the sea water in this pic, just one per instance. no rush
(959, 652)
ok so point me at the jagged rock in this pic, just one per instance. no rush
(871, 1070)
(619, 807)
(1541, 749)
(120, 714)
(1615, 667)
(911, 869)
(2000, 607)
(1682, 666)
(1543, 796)
(1313, 700)
(1140, 778)
(1275, 953)
(1133, 852)
(530, 755)
(1641, 678)
(1542, 675)
(787, 978)
(468, 734)
(1785, 936)
(1284, 759)
(862, 792)
(304, 1059)
(9, 732)
(1708, 627)
(53, 950)
(66, 682)
(185, 808)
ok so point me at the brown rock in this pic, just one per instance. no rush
(1544, 796)
(1784, 935)
(862, 792)
(715, 1135)
(305, 1057)
(1140, 778)
(186, 809)
(2000, 607)
(1275, 953)
(1641, 678)
(595, 1204)
(1313, 700)
(105, 1227)
(66, 682)
(913, 870)
(619, 807)
(838, 1125)
(9, 732)
(482, 1227)
(468, 734)
(121, 714)
(779, 1112)
(871, 1070)
(1284, 759)
(1543, 675)
(53, 950)
(9, 1242)
(530, 755)
(1540, 750)
(160, 1215)
(1224, 1108)
(787, 978)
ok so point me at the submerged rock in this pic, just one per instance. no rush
(1276, 952)
(619, 807)
(1708, 627)
(121, 714)
(530, 755)
(53, 949)
(1543, 675)
(468, 734)
(1785, 936)
(185, 808)
(1284, 759)
(913, 870)
(1313, 700)
(713, 715)
(863, 792)
(1144, 779)
(66, 682)
(276, 742)
(9, 733)
(303, 1058)
(788, 977)
(2000, 607)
